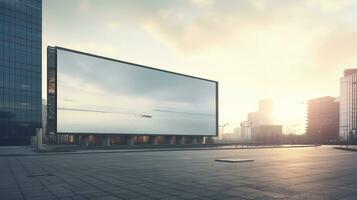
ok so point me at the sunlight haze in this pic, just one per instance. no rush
(288, 51)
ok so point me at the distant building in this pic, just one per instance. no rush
(254, 119)
(348, 103)
(323, 119)
(257, 121)
(237, 131)
(245, 131)
(264, 116)
(266, 112)
(267, 134)
(229, 137)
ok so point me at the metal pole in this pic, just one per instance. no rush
(222, 126)
(39, 138)
(348, 133)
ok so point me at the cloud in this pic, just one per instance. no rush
(84, 6)
(195, 25)
(338, 49)
(199, 24)
(119, 78)
(203, 24)
(113, 25)
(256, 48)
(331, 5)
(93, 47)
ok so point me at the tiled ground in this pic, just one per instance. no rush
(290, 173)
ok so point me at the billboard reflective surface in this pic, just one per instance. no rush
(100, 95)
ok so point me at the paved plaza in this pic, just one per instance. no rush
(280, 173)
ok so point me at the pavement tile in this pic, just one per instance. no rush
(306, 173)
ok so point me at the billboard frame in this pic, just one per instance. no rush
(54, 66)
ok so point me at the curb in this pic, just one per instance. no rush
(151, 150)
(345, 149)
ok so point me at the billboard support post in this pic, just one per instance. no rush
(194, 140)
(200, 140)
(79, 139)
(153, 140)
(172, 140)
(181, 140)
(86, 140)
(130, 140)
(106, 140)
(39, 139)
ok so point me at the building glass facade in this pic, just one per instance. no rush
(20, 70)
(323, 120)
(348, 104)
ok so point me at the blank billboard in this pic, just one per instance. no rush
(102, 95)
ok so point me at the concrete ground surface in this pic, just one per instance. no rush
(55, 150)
(277, 173)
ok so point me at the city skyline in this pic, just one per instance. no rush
(179, 99)
(286, 51)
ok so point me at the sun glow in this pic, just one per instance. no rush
(291, 113)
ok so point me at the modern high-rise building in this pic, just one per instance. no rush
(266, 112)
(260, 128)
(20, 70)
(267, 134)
(246, 127)
(264, 116)
(348, 103)
(254, 119)
(323, 119)
(237, 132)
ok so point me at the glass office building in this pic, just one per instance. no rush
(20, 70)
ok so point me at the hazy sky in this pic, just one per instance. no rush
(286, 50)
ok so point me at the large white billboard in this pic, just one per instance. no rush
(102, 95)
